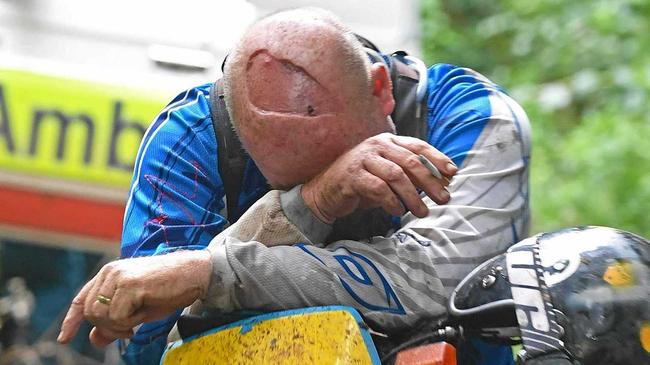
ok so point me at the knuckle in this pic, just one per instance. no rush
(440, 157)
(109, 267)
(376, 185)
(351, 169)
(77, 301)
(347, 193)
(419, 145)
(379, 140)
(127, 281)
(371, 139)
(405, 140)
(373, 142)
(394, 174)
(395, 202)
(119, 270)
(88, 314)
(385, 136)
(412, 162)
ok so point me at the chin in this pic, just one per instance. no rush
(279, 186)
(287, 184)
(279, 183)
(290, 174)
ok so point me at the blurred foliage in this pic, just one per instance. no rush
(581, 69)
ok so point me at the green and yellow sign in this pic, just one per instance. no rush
(70, 129)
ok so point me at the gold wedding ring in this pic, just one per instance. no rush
(103, 299)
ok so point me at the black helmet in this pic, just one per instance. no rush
(575, 296)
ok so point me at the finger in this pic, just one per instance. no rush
(398, 182)
(123, 306)
(418, 173)
(91, 298)
(435, 188)
(96, 311)
(378, 193)
(411, 163)
(142, 315)
(75, 314)
(417, 166)
(443, 163)
(102, 337)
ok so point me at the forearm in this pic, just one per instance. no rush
(265, 223)
(394, 280)
(393, 284)
(391, 280)
(278, 218)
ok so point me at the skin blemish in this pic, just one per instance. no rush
(279, 86)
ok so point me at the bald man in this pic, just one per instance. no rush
(313, 113)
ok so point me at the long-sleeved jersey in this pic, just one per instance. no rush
(394, 280)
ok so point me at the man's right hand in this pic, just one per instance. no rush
(382, 171)
(128, 292)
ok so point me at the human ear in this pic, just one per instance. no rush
(382, 88)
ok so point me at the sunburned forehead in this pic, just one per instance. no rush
(277, 85)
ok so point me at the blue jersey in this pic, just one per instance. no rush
(177, 196)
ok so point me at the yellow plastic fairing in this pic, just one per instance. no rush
(324, 335)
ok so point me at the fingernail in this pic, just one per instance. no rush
(451, 168)
(444, 195)
(58, 339)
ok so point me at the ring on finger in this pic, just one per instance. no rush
(104, 299)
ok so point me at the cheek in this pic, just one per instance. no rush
(295, 148)
(302, 143)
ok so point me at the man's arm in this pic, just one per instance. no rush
(394, 281)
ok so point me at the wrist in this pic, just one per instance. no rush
(308, 224)
(309, 197)
(201, 263)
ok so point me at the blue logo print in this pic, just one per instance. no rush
(361, 272)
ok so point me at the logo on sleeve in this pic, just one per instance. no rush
(361, 278)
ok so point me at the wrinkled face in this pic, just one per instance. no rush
(296, 120)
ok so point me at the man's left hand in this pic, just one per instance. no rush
(125, 293)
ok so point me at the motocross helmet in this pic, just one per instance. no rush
(575, 296)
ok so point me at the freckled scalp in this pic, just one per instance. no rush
(314, 46)
(278, 85)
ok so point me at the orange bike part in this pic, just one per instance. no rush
(440, 353)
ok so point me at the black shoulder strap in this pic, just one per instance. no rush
(410, 114)
(231, 155)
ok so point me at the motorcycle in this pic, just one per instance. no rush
(576, 296)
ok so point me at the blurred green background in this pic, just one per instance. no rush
(581, 69)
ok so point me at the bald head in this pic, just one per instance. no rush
(299, 89)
